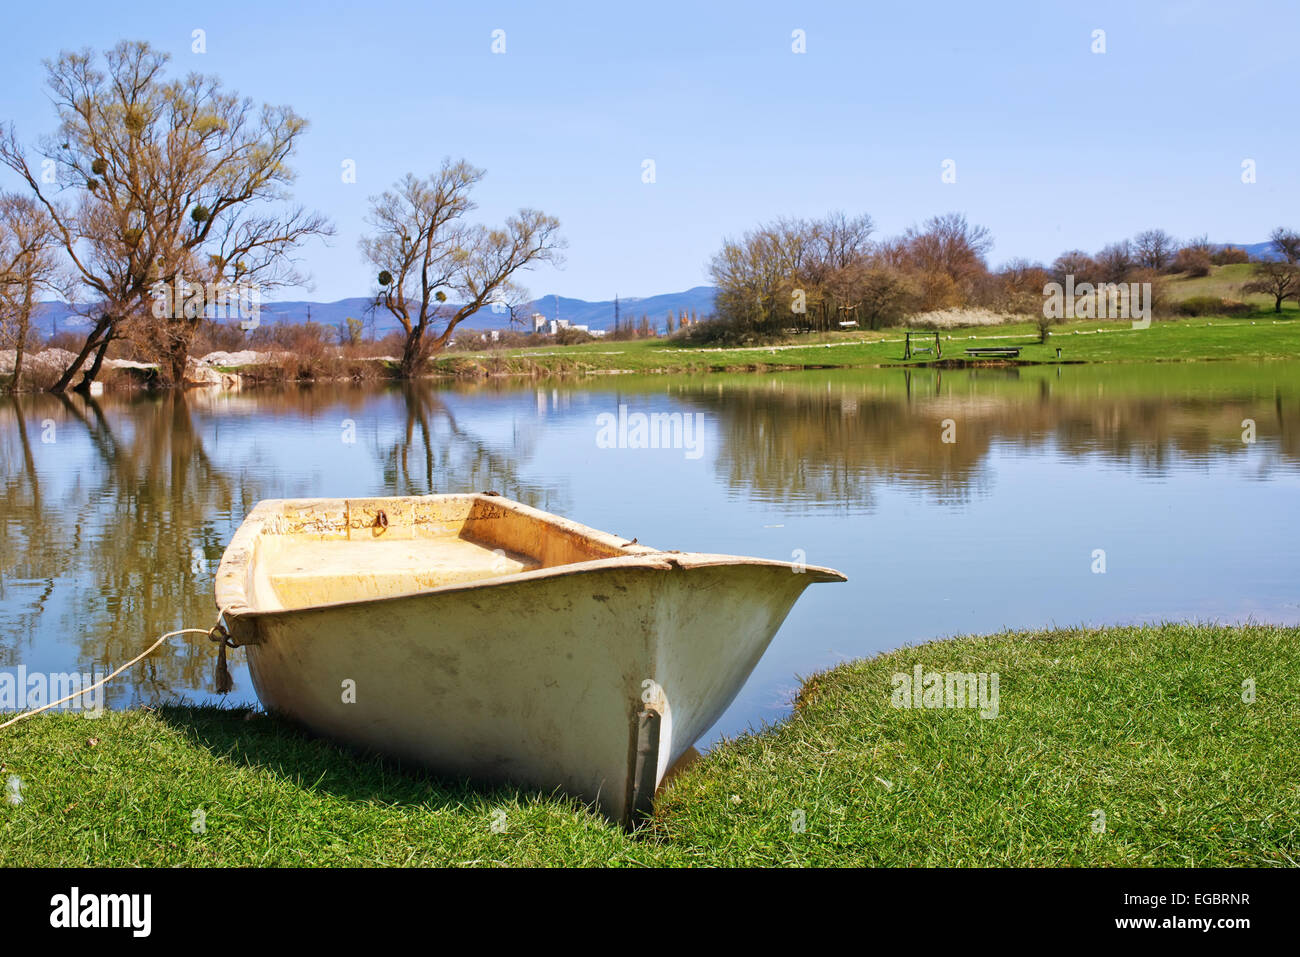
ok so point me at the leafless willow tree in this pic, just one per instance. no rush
(153, 181)
(436, 269)
(28, 265)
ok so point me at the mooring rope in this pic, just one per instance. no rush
(216, 633)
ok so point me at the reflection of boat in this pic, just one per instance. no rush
(482, 637)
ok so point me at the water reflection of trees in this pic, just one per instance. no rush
(98, 529)
(108, 525)
(837, 440)
(435, 452)
(110, 534)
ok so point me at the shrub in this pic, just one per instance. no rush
(937, 290)
(572, 337)
(1229, 256)
(726, 332)
(1210, 306)
(1193, 261)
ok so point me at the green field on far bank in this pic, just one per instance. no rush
(1123, 746)
(1193, 339)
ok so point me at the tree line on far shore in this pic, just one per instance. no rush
(820, 274)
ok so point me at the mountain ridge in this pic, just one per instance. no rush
(53, 315)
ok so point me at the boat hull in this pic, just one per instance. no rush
(591, 679)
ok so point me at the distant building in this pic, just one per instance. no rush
(552, 327)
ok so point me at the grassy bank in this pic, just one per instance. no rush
(1260, 337)
(1145, 724)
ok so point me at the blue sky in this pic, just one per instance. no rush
(1054, 146)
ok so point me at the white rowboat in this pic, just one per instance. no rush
(487, 639)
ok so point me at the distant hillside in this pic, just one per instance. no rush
(1223, 282)
(600, 315)
(52, 316)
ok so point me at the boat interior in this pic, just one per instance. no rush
(323, 551)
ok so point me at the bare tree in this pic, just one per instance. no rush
(168, 181)
(1019, 287)
(1286, 242)
(28, 264)
(429, 256)
(1281, 280)
(844, 240)
(1155, 249)
(883, 296)
(1115, 262)
(1076, 263)
(949, 244)
(749, 273)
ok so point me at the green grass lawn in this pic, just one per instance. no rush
(1144, 724)
(1257, 337)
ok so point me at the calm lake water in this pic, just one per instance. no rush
(114, 512)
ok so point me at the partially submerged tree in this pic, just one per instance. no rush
(155, 184)
(28, 265)
(436, 270)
